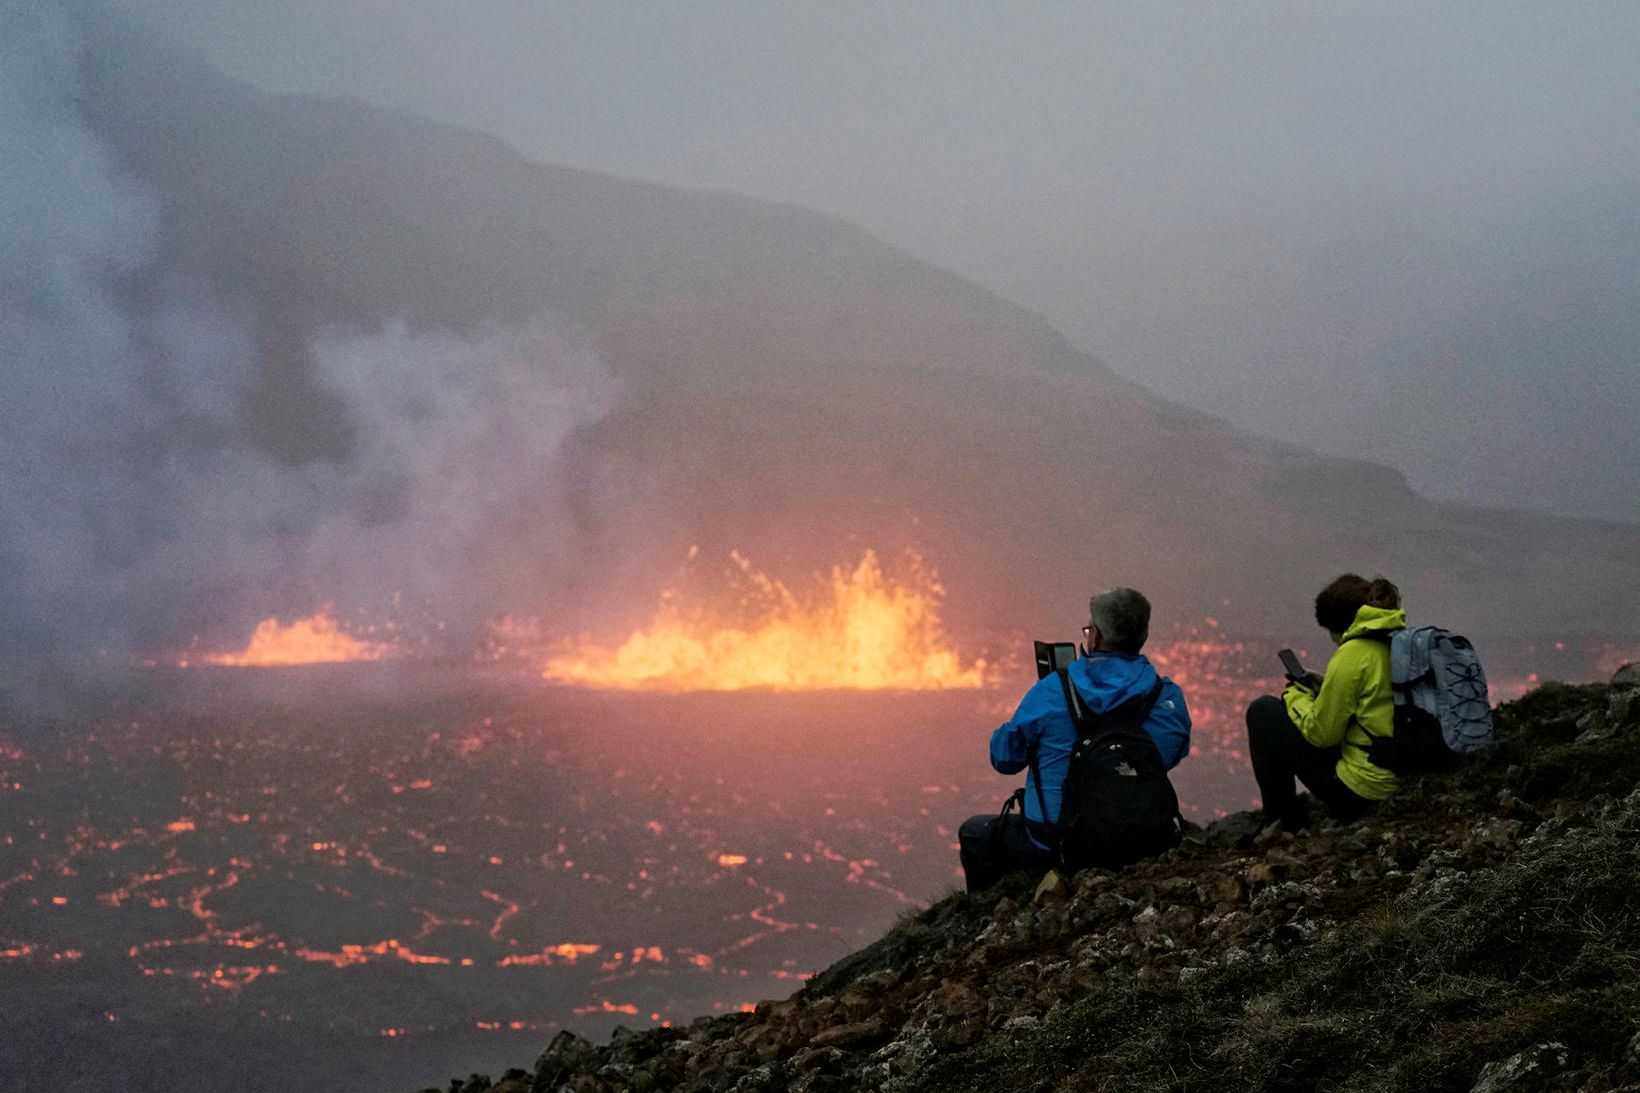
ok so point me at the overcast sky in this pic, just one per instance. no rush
(1406, 232)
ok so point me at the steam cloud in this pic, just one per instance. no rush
(137, 509)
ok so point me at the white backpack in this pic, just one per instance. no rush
(1437, 671)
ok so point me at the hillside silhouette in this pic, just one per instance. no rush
(785, 385)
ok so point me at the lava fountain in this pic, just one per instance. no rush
(858, 630)
(317, 639)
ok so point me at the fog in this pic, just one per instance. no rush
(1400, 232)
(138, 503)
(264, 353)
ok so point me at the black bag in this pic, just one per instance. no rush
(1415, 747)
(1117, 805)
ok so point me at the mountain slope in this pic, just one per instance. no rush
(788, 386)
(1476, 933)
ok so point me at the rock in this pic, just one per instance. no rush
(855, 1004)
(1054, 921)
(1175, 889)
(1287, 892)
(1260, 873)
(1053, 889)
(757, 1080)
(1513, 806)
(1529, 1070)
(1090, 882)
(1152, 975)
(1228, 890)
(1623, 708)
(1016, 980)
(714, 1079)
(823, 1079)
(1111, 904)
(1022, 1025)
(1269, 833)
(642, 1080)
(1178, 923)
(956, 1000)
(900, 1056)
(782, 1010)
(817, 1058)
(960, 1033)
(513, 1081)
(1285, 859)
(1147, 925)
(564, 1055)
(1492, 836)
(855, 1034)
(1231, 925)
(878, 980)
(1594, 725)
(1238, 829)
(616, 1073)
(764, 1041)
(820, 1010)
(1627, 676)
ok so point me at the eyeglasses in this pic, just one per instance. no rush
(1087, 633)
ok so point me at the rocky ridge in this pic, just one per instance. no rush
(1477, 933)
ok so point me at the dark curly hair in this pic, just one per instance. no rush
(1336, 605)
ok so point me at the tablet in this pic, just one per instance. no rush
(1052, 656)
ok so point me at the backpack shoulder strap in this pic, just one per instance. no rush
(1073, 703)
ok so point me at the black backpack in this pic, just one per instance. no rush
(1117, 805)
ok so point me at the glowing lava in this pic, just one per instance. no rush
(317, 639)
(858, 631)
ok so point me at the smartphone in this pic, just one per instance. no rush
(1289, 661)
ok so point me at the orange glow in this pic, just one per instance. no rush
(606, 1006)
(568, 953)
(317, 639)
(858, 631)
(362, 954)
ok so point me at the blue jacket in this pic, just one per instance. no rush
(1103, 680)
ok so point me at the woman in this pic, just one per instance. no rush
(1321, 727)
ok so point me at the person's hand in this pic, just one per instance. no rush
(1310, 681)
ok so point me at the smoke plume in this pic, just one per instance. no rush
(138, 509)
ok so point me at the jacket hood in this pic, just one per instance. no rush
(1106, 680)
(1375, 620)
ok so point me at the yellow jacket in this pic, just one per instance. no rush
(1355, 702)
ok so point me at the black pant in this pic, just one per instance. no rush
(1280, 753)
(995, 845)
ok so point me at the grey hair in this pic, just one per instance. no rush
(1123, 617)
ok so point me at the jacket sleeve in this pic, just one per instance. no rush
(1323, 718)
(1012, 741)
(1169, 725)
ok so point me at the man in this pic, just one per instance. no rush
(1111, 672)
